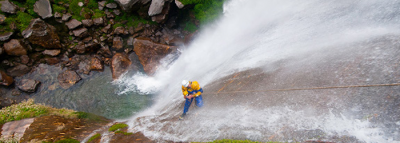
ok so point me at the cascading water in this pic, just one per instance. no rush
(282, 44)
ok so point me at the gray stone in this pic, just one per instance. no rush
(98, 21)
(43, 8)
(68, 79)
(80, 32)
(87, 22)
(28, 85)
(156, 7)
(127, 5)
(117, 12)
(111, 5)
(162, 16)
(80, 4)
(5, 36)
(179, 4)
(18, 70)
(73, 23)
(117, 43)
(66, 17)
(15, 48)
(51, 52)
(101, 4)
(57, 15)
(2, 18)
(16, 129)
(43, 34)
(8, 7)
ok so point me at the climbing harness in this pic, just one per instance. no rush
(312, 88)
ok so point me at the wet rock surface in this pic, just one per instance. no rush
(5, 79)
(68, 79)
(18, 70)
(28, 85)
(119, 65)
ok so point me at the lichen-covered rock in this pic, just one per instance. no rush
(150, 53)
(8, 7)
(68, 79)
(51, 52)
(119, 65)
(73, 23)
(5, 36)
(5, 79)
(15, 48)
(18, 70)
(43, 8)
(28, 85)
(42, 34)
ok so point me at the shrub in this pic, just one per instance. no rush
(117, 126)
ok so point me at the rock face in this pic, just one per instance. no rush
(5, 36)
(73, 23)
(150, 53)
(68, 78)
(15, 48)
(41, 33)
(161, 16)
(5, 79)
(119, 64)
(28, 85)
(18, 70)
(156, 7)
(43, 8)
(8, 7)
(16, 129)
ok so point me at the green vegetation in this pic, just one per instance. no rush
(122, 132)
(59, 9)
(132, 20)
(67, 141)
(94, 137)
(28, 109)
(23, 20)
(117, 126)
(98, 13)
(238, 141)
(190, 26)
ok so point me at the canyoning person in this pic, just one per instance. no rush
(191, 90)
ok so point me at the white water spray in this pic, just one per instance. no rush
(258, 34)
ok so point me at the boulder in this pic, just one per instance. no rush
(51, 52)
(96, 64)
(150, 53)
(111, 5)
(132, 5)
(5, 79)
(43, 8)
(42, 34)
(87, 22)
(179, 4)
(5, 36)
(98, 21)
(18, 70)
(163, 15)
(66, 17)
(8, 7)
(105, 51)
(2, 18)
(81, 32)
(28, 85)
(57, 15)
(120, 31)
(118, 43)
(119, 64)
(73, 23)
(15, 48)
(68, 79)
(156, 7)
(84, 67)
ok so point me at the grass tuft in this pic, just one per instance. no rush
(94, 137)
(117, 126)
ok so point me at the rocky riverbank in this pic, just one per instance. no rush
(84, 36)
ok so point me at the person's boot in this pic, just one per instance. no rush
(183, 115)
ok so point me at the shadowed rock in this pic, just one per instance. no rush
(5, 79)
(18, 70)
(28, 85)
(150, 53)
(87, 22)
(66, 17)
(105, 51)
(68, 79)
(73, 23)
(43, 8)
(8, 7)
(117, 43)
(162, 16)
(1, 50)
(15, 48)
(5, 36)
(101, 4)
(119, 64)
(42, 34)
(51, 52)
(24, 59)
(2, 18)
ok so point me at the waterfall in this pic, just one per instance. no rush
(294, 44)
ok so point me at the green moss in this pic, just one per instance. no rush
(98, 13)
(67, 141)
(208, 11)
(93, 4)
(122, 132)
(132, 20)
(186, 2)
(23, 20)
(117, 126)
(94, 137)
(191, 27)
(59, 9)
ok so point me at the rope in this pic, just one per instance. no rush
(312, 88)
